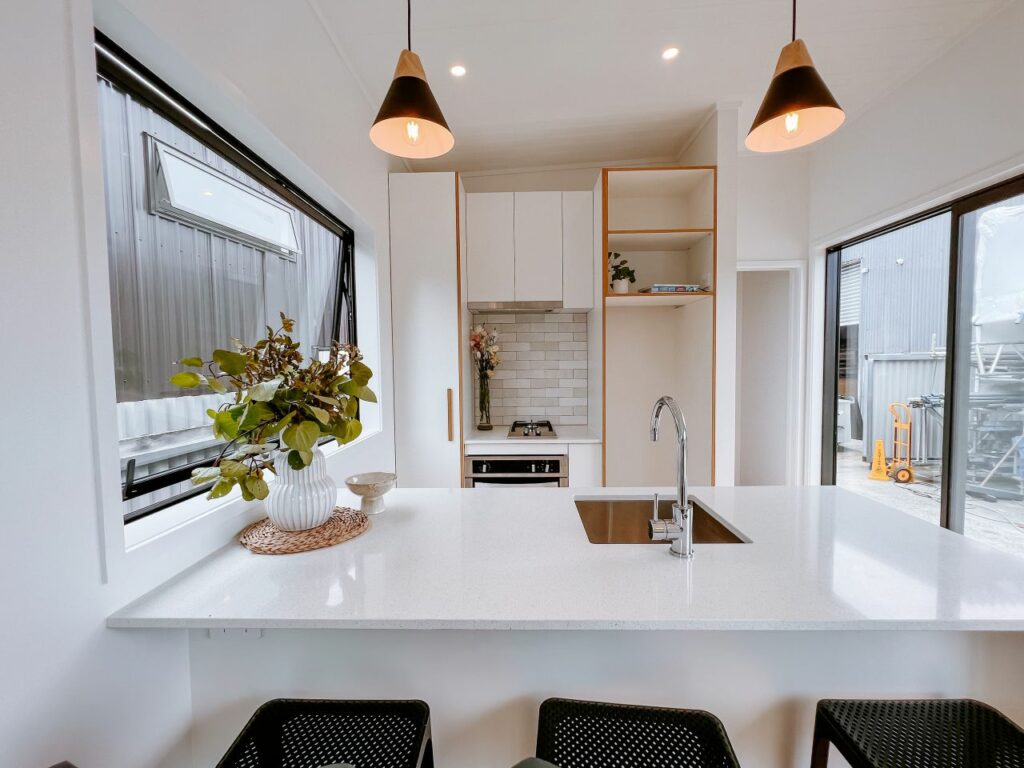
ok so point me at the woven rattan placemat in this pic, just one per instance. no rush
(264, 538)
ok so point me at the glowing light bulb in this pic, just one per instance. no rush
(412, 132)
(792, 123)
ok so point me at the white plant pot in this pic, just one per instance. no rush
(620, 286)
(301, 499)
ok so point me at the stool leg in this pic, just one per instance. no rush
(819, 749)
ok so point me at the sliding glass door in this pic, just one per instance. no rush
(986, 439)
(890, 361)
(924, 378)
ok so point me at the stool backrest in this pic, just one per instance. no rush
(587, 734)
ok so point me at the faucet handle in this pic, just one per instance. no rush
(654, 512)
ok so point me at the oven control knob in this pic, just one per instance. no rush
(533, 467)
(483, 467)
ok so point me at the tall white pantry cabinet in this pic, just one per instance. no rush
(426, 316)
(450, 248)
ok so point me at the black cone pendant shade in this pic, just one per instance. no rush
(410, 123)
(798, 108)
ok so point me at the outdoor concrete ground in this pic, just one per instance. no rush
(997, 523)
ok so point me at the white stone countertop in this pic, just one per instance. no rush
(565, 434)
(820, 558)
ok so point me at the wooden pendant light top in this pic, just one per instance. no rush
(794, 55)
(409, 65)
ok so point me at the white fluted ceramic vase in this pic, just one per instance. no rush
(301, 499)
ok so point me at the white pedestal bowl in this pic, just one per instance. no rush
(371, 487)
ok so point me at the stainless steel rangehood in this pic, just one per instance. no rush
(515, 306)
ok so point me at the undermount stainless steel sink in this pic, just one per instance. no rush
(625, 521)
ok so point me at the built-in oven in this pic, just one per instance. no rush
(518, 471)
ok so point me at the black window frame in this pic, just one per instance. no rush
(119, 67)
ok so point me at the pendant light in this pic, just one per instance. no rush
(798, 108)
(410, 123)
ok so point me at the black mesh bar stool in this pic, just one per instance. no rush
(308, 733)
(587, 734)
(916, 734)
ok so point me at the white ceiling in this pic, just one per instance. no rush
(561, 82)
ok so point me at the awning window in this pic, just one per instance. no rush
(182, 187)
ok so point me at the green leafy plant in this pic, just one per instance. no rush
(618, 267)
(274, 394)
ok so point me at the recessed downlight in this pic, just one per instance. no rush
(458, 70)
(670, 53)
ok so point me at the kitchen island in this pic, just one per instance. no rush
(831, 595)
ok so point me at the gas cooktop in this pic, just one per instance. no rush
(531, 429)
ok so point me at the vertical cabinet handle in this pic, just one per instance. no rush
(451, 427)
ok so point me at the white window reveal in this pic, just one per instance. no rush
(184, 188)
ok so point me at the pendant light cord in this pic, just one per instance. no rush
(408, 22)
(793, 38)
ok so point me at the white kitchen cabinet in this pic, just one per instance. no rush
(491, 246)
(426, 336)
(578, 250)
(538, 246)
(584, 465)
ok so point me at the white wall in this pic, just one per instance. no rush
(763, 369)
(69, 688)
(773, 206)
(642, 366)
(692, 388)
(772, 229)
(715, 144)
(958, 124)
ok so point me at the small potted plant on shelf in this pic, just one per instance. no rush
(483, 344)
(621, 274)
(280, 411)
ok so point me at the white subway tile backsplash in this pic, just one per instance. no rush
(544, 367)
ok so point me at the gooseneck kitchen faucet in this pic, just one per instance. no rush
(679, 530)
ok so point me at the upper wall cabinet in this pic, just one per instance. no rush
(578, 250)
(490, 245)
(538, 246)
(531, 246)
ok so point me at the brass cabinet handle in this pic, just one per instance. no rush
(451, 428)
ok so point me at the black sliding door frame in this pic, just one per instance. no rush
(830, 376)
(958, 350)
(958, 345)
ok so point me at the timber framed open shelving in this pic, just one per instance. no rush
(664, 221)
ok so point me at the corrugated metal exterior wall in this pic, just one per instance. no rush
(884, 381)
(903, 305)
(179, 290)
(902, 291)
(849, 292)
